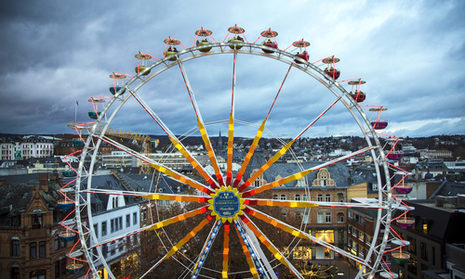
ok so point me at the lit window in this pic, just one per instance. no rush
(325, 235)
(302, 253)
(425, 228)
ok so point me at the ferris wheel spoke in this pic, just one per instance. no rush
(250, 255)
(175, 141)
(178, 218)
(119, 237)
(231, 125)
(201, 124)
(309, 204)
(283, 150)
(224, 273)
(206, 248)
(175, 197)
(148, 195)
(303, 173)
(258, 135)
(301, 234)
(270, 246)
(159, 167)
(180, 243)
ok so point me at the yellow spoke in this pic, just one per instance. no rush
(178, 218)
(250, 153)
(280, 203)
(181, 178)
(248, 257)
(193, 162)
(211, 153)
(276, 183)
(173, 197)
(263, 239)
(268, 164)
(188, 237)
(225, 251)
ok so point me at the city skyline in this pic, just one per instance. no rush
(409, 53)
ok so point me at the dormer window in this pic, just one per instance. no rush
(36, 218)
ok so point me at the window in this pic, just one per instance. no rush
(340, 217)
(32, 250)
(134, 218)
(42, 249)
(143, 216)
(112, 225)
(96, 229)
(15, 272)
(433, 255)
(297, 197)
(128, 220)
(15, 248)
(104, 228)
(423, 251)
(320, 217)
(328, 217)
(283, 197)
(328, 197)
(275, 197)
(105, 250)
(120, 223)
(56, 243)
(425, 227)
(304, 197)
(36, 221)
(320, 197)
(302, 253)
(325, 235)
(40, 274)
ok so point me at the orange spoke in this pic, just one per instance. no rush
(283, 150)
(259, 134)
(270, 246)
(280, 203)
(303, 173)
(248, 257)
(250, 153)
(225, 251)
(174, 197)
(268, 164)
(178, 218)
(193, 162)
(211, 153)
(181, 243)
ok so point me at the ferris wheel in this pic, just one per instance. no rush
(228, 210)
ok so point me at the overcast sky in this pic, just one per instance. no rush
(411, 53)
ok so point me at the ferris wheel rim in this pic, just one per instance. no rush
(254, 50)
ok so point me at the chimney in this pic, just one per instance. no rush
(43, 181)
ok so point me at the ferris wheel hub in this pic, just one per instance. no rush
(226, 204)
